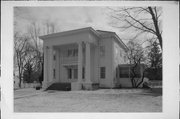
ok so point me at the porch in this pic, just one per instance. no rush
(69, 65)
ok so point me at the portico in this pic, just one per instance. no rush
(68, 61)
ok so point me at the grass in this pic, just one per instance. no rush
(103, 100)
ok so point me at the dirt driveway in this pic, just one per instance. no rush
(102, 100)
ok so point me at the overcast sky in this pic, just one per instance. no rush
(66, 18)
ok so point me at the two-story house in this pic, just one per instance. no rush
(83, 58)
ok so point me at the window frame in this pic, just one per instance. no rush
(69, 73)
(102, 72)
(75, 73)
(54, 73)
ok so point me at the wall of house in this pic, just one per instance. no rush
(106, 61)
(119, 57)
(94, 64)
(126, 82)
(96, 70)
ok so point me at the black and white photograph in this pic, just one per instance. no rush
(90, 59)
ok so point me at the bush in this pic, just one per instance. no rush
(154, 73)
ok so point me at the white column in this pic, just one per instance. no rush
(80, 62)
(50, 64)
(88, 64)
(77, 85)
(57, 65)
(45, 73)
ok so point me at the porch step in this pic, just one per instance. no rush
(60, 86)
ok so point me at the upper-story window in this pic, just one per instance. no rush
(69, 52)
(72, 52)
(54, 73)
(102, 50)
(75, 52)
(54, 57)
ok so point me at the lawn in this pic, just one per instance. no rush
(102, 100)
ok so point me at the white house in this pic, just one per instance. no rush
(84, 58)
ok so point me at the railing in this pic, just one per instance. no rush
(66, 60)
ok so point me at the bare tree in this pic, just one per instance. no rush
(20, 54)
(154, 55)
(35, 30)
(136, 57)
(28, 47)
(140, 20)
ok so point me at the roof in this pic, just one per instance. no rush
(101, 33)
(111, 34)
(130, 65)
(69, 32)
(97, 33)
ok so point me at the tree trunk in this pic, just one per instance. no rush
(133, 77)
(155, 21)
(20, 80)
(142, 80)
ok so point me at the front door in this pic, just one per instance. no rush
(72, 73)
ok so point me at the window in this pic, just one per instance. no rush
(75, 73)
(124, 72)
(54, 57)
(69, 73)
(102, 72)
(75, 52)
(102, 50)
(83, 72)
(72, 73)
(70, 52)
(54, 73)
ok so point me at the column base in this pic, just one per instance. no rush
(76, 86)
(44, 85)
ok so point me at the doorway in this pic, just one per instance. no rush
(72, 72)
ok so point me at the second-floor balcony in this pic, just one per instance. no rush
(69, 60)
